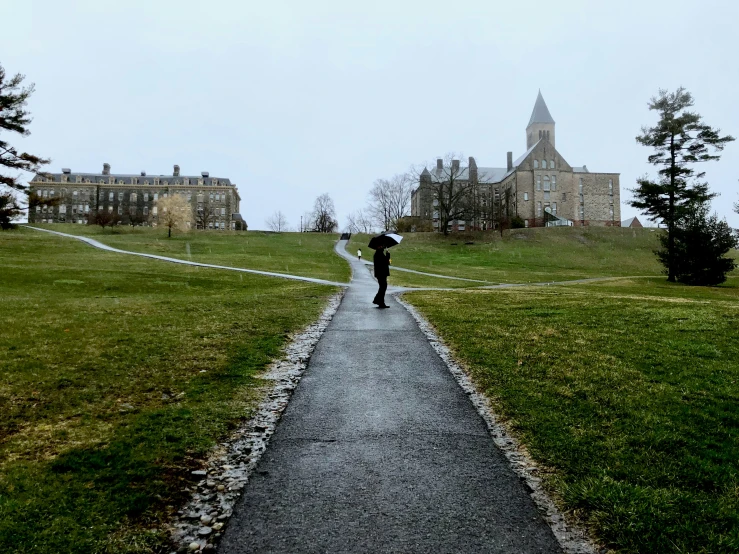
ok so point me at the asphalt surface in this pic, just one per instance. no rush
(380, 450)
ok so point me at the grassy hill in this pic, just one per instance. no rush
(525, 255)
(118, 373)
(306, 254)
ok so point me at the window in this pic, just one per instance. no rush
(186, 181)
(156, 197)
(611, 212)
(543, 164)
(526, 196)
(146, 210)
(551, 164)
(546, 195)
(111, 196)
(146, 197)
(536, 164)
(538, 182)
(79, 178)
(120, 210)
(134, 180)
(211, 197)
(540, 133)
(525, 222)
(581, 185)
(134, 197)
(38, 209)
(610, 188)
(110, 209)
(538, 209)
(120, 195)
(554, 208)
(111, 180)
(63, 209)
(87, 208)
(156, 180)
(546, 183)
(200, 182)
(64, 179)
(582, 212)
(46, 194)
(74, 194)
(554, 182)
(214, 182)
(154, 210)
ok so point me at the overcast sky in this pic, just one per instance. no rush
(291, 99)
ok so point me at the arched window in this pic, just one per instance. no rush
(543, 164)
(539, 135)
(551, 164)
(547, 135)
(536, 164)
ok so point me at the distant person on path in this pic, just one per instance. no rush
(382, 271)
(359, 254)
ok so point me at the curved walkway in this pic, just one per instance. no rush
(96, 244)
(380, 450)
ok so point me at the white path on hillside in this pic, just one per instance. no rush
(96, 244)
(340, 249)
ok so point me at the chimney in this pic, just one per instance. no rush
(66, 170)
(143, 173)
(205, 174)
(106, 169)
(472, 167)
(455, 166)
(439, 164)
(509, 157)
(176, 171)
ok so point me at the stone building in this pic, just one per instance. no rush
(540, 187)
(133, 198)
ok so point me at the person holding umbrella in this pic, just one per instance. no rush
(382, 264)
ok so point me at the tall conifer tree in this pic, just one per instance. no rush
(680, 139)
(14, 118)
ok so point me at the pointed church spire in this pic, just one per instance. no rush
(541, 112)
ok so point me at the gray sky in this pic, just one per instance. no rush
(291, 99)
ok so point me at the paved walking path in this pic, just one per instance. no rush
(380, 450)
(96, 244)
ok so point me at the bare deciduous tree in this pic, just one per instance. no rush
(359, 222)
(175, 212)
(452, 185)
(277, 222)
(390, 199)
(324, 215)
(205, 214)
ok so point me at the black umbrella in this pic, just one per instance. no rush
(386, 239)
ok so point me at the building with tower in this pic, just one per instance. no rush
(540, 188)
(133, 198)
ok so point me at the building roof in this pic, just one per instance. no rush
(541, 112)
(127, 178)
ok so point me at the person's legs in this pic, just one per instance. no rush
(380, 296)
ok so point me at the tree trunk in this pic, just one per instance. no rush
(169, 235)
(671, 223)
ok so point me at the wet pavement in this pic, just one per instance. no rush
(380, 450)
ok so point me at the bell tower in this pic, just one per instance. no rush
(541, 124)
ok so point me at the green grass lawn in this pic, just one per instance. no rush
(117, 374)
(524, 255)
(627, 390)
(305, 254)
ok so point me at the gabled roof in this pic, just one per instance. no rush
(541, 112)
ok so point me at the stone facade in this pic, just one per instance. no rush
(134, 198)
(540, 187)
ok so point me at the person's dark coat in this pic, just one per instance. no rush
(382, 263)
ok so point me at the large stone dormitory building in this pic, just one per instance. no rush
(134, 198)
(540, 187)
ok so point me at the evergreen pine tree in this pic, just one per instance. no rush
(701, 243)
(680, 139)
(14, 118)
